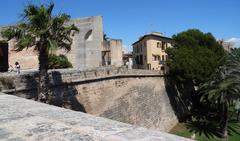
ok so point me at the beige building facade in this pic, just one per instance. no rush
(149, 51)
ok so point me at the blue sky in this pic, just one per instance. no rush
(129, 19)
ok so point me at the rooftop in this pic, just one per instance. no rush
(153, 34)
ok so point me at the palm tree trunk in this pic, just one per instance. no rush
(225, 121)
(43, 88)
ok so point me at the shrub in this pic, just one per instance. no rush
(58, 62)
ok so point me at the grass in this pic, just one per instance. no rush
(183, 130)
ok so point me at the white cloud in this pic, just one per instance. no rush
(235, 41)
(127, 49)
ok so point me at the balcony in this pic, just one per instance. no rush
(162, 62)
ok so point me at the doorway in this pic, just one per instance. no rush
(3, 56)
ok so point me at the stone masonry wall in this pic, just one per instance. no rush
(137, 97)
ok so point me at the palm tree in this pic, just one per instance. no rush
(224, 88)
(45, 32)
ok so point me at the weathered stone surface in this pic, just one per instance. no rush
(26, 120)
(136, 97)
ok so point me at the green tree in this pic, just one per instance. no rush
(193, 59)
(195, 56)
(45, 32)
(223, 88)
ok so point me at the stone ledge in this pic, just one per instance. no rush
(26, 120)
(12, 82)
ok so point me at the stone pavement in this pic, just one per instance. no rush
(26, 120)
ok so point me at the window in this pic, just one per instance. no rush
(137, 60)
(163, 58)
(149, 66)
(158, 45)
(141, 60)
(145, 58)
(162, 68)
(163, 45)
(88, 36)
(156, 57)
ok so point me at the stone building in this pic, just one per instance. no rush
(112, 53)
(149, 51)
(226, 45)
(87, 47)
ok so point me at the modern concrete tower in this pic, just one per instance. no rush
(87, 43)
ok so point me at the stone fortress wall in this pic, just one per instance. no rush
(136, 97)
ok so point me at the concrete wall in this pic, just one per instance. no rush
(25, 120)
(116, 48)
(86, 47)
(137, 97)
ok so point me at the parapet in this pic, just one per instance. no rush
(11, 82)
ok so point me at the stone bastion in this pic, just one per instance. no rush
(136, 97)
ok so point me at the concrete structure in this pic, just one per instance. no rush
(112, 53)
(149, 51)
(137, 97)
(25, 120)
(87, 43)
(86, 46)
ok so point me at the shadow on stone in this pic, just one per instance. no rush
(64, 95)
(31, 91)
(179, 98)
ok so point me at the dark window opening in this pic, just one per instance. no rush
(162, 68)
(141, 59)
(3, 56)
